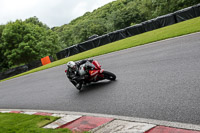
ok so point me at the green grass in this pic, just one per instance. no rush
(22, 123)
(186, 27)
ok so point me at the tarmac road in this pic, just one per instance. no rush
(159, 81)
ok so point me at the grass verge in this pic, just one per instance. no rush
(22, 123)
(183, 28)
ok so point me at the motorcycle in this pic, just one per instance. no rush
(95, 73)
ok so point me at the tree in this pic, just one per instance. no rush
(116, 15)
(73, 34)
(3, 62)
(25, 42)
(34, 20)
(123, 17)
(82, 31)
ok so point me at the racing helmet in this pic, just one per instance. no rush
(71, 65)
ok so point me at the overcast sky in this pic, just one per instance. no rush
(51, 12)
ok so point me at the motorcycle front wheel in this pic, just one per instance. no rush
(109, 75)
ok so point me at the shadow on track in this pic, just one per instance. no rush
(96, 86)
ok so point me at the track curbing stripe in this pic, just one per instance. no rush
(62, 121)
(121, 126)
(177, 125)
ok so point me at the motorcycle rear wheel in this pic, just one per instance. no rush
(109, 75)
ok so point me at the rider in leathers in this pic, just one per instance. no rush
(73, 72)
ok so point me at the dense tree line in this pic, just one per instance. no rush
(116, 15)
(22, 42)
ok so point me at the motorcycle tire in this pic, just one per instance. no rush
(109, 75)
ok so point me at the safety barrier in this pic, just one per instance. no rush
(27, 67)
(159, 22)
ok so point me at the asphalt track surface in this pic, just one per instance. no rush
(159, 81)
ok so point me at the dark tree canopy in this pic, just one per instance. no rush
(23, 42)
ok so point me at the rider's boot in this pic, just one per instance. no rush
(79, 85)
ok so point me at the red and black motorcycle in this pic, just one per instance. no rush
(95, 73)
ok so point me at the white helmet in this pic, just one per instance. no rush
(71, 65)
